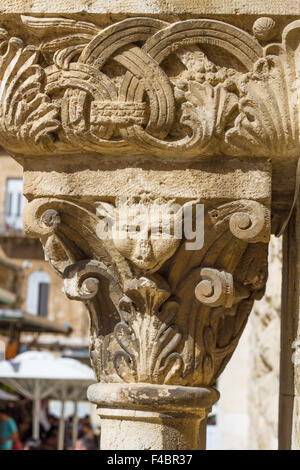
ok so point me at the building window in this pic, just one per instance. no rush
(14, 203)
(38, 293)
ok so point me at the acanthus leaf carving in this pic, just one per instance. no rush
(96, 89)
(27, 114)
(177, 323)
(159, 313)
(148, 337)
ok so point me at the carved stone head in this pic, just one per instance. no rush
(146, 232)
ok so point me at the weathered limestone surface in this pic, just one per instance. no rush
(127, 7)
(289, 409)
(247, 412)
(233, 408)
(170, 111)
(15, 246)
(265, 358)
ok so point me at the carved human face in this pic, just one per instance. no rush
(147, 235)
(147, 242)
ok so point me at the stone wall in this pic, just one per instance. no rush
(263, 390)
(233, 407)
(247, 413)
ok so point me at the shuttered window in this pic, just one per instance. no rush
(8, 201)
(43, 299)
(38, 288)
(14, 203)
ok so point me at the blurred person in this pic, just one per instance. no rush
(69, 433)
(51, 441)
(51, 438)
(8, 431)
(87, 439)
(32, 444)
(25, 429)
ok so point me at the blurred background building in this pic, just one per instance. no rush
(28, 286)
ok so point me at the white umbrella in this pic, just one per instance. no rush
(7, 396)
(38, 375)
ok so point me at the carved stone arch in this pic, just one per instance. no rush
(114, 37)
(212, 32)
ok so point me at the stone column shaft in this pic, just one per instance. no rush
(143, 416)
(289, 400)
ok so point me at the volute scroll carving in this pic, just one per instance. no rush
(147, 148)
(217, 289)
(150, 151)
(173, 322)
(247, 220)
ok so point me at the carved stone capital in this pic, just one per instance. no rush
(147, 85)
(160, 313)
(152, 89)
(133, 137)
(165, 319)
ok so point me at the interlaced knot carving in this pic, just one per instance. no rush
(143, 83)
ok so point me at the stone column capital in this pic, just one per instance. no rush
(94, 89)
(149, 148)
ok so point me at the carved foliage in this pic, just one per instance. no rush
(96, 89)
(180, 321)
(27, 114)
(148, 335)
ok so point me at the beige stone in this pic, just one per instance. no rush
(169, 110)
(289, 436)
(247, 412)
(265, 358)
(107, 7)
